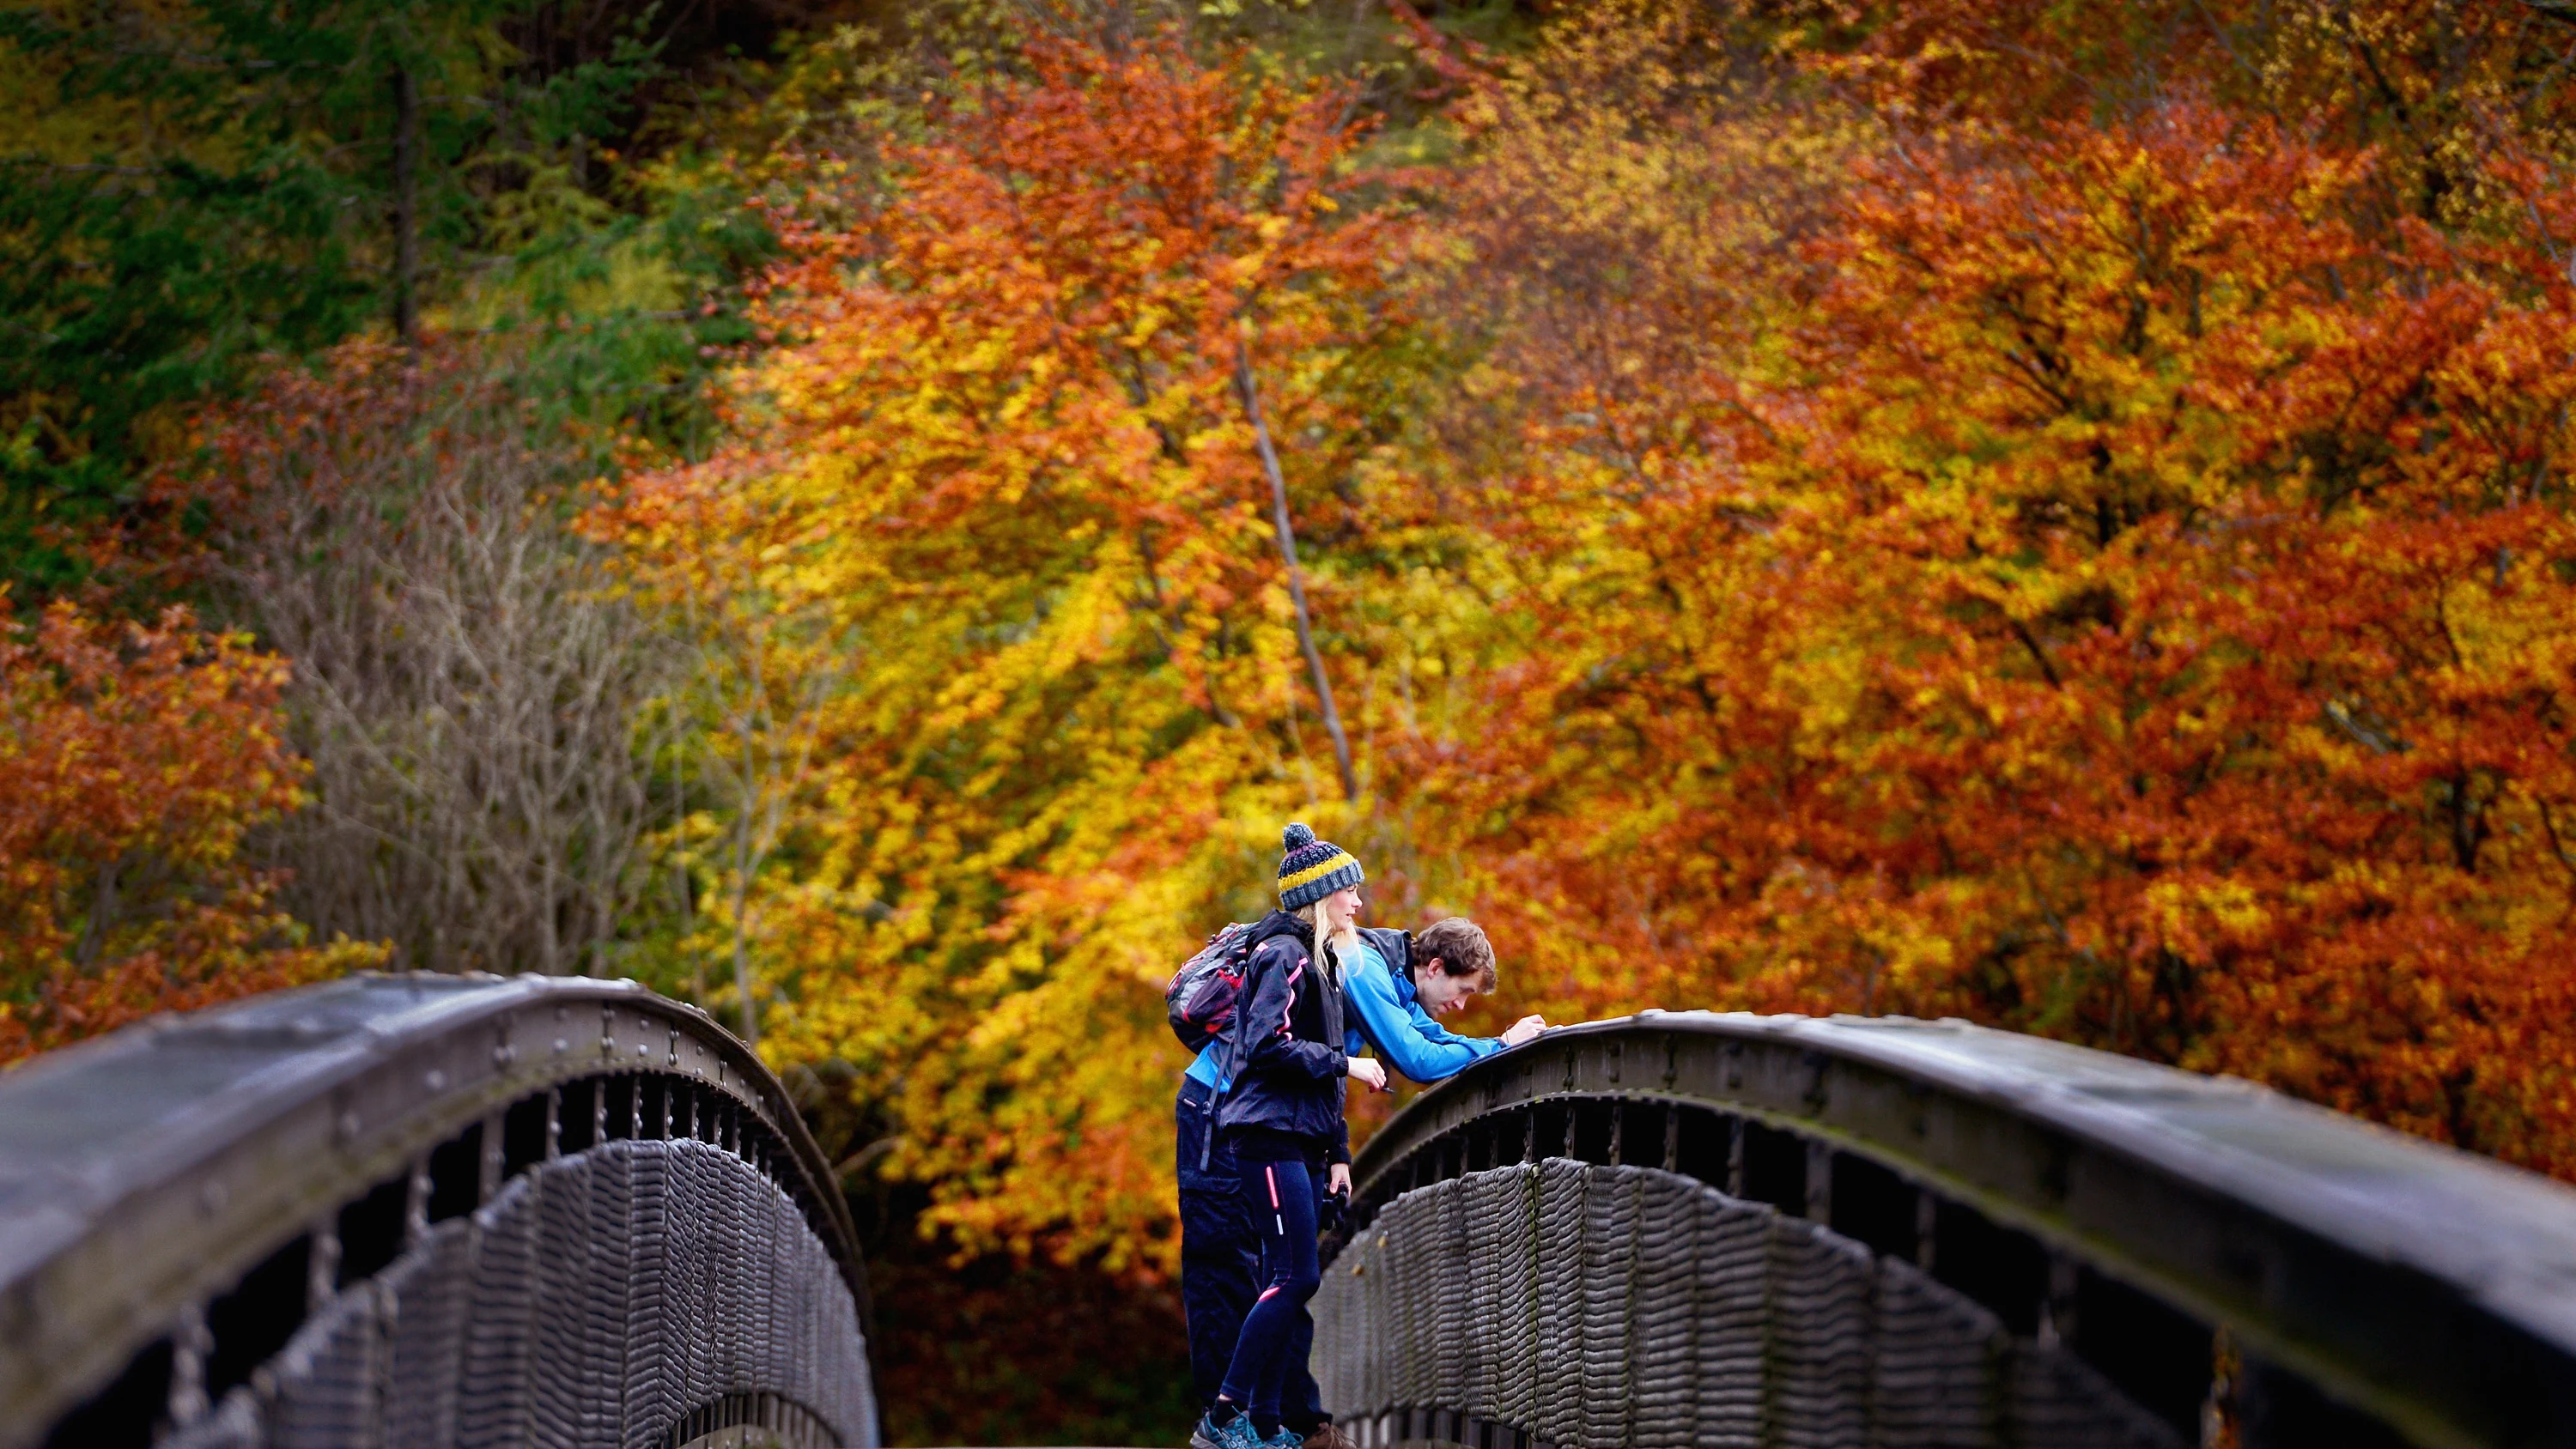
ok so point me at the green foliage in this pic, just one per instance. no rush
(186, 191)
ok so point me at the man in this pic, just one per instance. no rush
(1218, 1258)
(1401, 982)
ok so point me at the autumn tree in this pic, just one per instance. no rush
(1003, 454)
(2433, 87)
(2205, 551)
(1631, 210)
(132, 761)
(472, 691)
(2116, 590)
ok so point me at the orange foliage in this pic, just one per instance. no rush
(993, 551)
(2217, 560)
(132, 761)
(2127, 592)
(1797, 540)
(2436, 87)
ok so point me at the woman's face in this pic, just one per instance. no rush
(1341, 908)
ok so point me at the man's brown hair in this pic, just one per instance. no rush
(1461, 948)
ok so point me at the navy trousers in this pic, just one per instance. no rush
(1280, 1196)
(1220, 1266)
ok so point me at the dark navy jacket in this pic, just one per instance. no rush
(1283, 1065)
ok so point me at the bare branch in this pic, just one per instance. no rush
(468, 686)
(1251, 395)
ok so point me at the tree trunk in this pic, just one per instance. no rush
(1296, 577)
(742, 863)
(406, 208)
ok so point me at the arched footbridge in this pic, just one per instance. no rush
(1695, 1229)
(415, 1212)
(441, 1211)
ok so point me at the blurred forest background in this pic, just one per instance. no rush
(2056, 513)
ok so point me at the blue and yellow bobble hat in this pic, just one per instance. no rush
(1313, 869)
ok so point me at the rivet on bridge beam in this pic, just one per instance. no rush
(190, 1342)
(2057, 1311)
(322, 1263)
(416, 1203)
(488, 1180)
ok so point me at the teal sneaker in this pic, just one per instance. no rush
(1235, 1435)
(1286, 1438)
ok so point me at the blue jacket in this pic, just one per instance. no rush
(1283, 1066)
(1386, 1014)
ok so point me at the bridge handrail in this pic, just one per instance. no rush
(142, 1172)
(2236, 1204)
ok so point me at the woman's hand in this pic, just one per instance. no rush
(1369, 1070)
(1524, 1030)
(1337, 1179)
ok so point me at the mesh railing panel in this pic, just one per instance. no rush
(1557, 1414)
(423, 1315)
(1730, 1312)
(1664, 1378)
(335, 1371)
(1818, 1363)
(1624, 1306)
(1452, 1339)
(600, 1301)
(1509, 1295)
(1608, 1254)
(493, 1405)
(1938, 1380)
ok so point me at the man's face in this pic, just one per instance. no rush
(1439, 992)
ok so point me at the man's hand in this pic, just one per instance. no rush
(1337, 1179)
(1369, 1070)
(1524, 1030)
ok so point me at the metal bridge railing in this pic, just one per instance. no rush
(1583, 1304)
(1701, 1229)
(423, 1210)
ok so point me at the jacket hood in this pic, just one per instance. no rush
(1395, 945)
(1280, 923)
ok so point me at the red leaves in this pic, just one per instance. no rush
(132, 760)
(2232, 480)
(2135, 599)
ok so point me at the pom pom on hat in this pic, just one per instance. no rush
(1313, 869)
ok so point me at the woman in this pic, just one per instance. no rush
(1281, 1081)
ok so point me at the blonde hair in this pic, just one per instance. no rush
(1345, 945)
